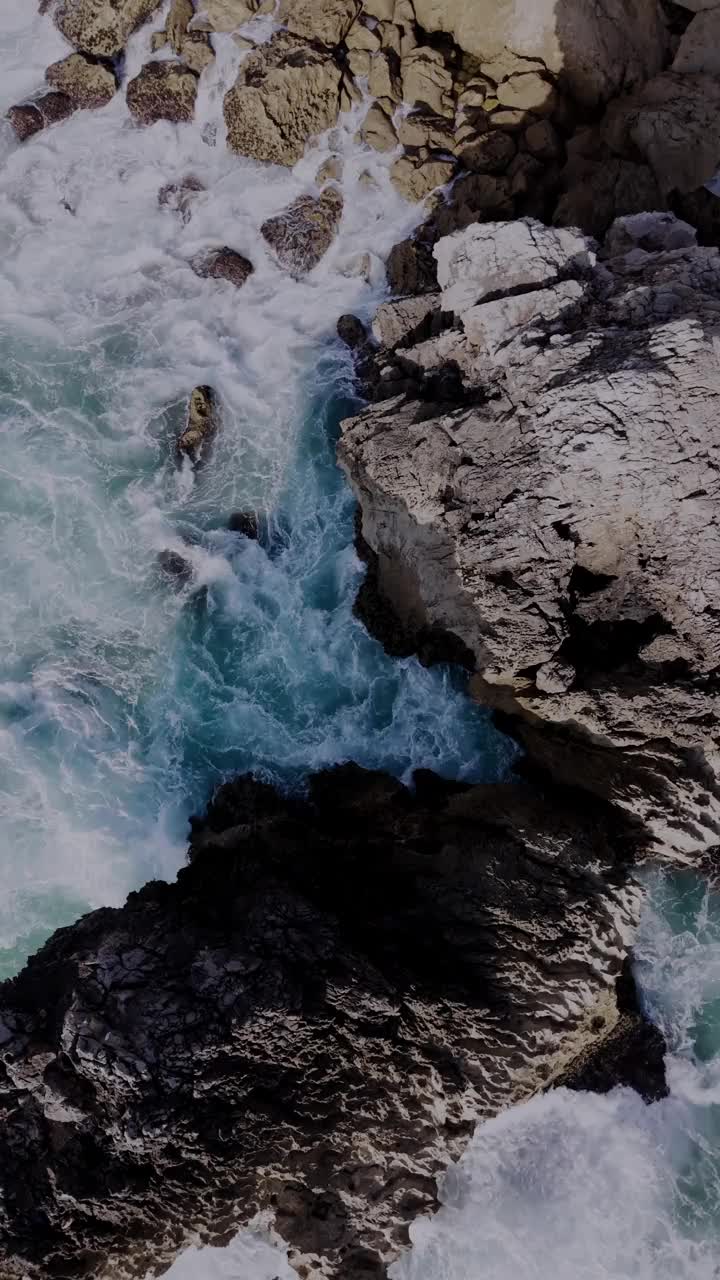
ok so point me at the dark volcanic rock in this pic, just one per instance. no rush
(224, 264)
(308, 1021)
(174, 567)
(246, 523)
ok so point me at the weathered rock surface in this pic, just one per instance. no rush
(556, 510)
(223, 264)
(286, 91)
(201, 423)
(180, 196)
(302, 234)
(325, 20)
(163, 91)
(598, 49)
(86, 81)
(29, 118)
(102, 27)
(310, 1021)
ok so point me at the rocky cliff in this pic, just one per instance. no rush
(309, 1022)
(544, 487)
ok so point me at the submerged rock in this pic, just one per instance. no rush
(308, 1022)
(202, 421)
(29, 118)
(246, 523)
(175, 567)
(556, 508)
(302, 234)
(286, 91)
(102, 27)
(179, 196)
(86, 81)
(163, 91)
(224, 264)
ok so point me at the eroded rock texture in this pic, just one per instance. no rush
(310, 1020)
(545, 488)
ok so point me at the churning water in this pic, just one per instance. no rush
(124, 701)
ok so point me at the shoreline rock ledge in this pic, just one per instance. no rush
(310, 1021)
(539, 478)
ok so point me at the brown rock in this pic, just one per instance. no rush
(411, 268)
(378, 131)
(327, 21)
(102, 27)
(286, 91)
(490, 153)
(426, 81)
(201, 422)
(30, 117)
(223, 264)
(163, 91)
(417, 179)
(303, 233)
(87, 82)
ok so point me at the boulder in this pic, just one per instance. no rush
(598, 48)
(700, 45)
(163, 91)
(327, 21)
(180, 15)
(421, 130)
(87, 82)
(223, 15)
(223, 264)
(102, 27)
(489, 153)
(383, 80)
(475, 197)
(302, 234)
(286, 91)
(201, 422)
(307, 1023)
(426, 81)
(29, 118)
(415, 179)
(411, 268)
(558, 515)
(378, 131)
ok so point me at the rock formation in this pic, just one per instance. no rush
(86, 81)
(223, 264)
(309, 1021)
(544, 488)
(29, 118)
(102, 27)
(286, 91)
(302, 234)
(163, 91)
(201, 422)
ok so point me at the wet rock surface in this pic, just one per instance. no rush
(302, 234)
(201, 423)
(102, 27)
(163, 91)
(29, 118)
(544, 489)
(309, 1021)
(88, 82)
(224, 264)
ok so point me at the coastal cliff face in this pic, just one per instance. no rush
(310, 1021)
(544, 489)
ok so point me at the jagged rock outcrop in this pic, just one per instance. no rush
(302, 234)
(102, 27)
(597, 49)
(163, 91)
(547, 492)
(286, 91)
(86, 81)
(201, 423)
(309, 1021)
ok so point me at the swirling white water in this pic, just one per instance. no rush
(122, 703)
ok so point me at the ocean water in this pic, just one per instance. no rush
(124, 701)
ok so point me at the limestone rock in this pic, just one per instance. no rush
(528, 91)
(421, 130)
(361, 37)
(325, 20)
(309, 1021)
(597, 47)
(378, 131)
(426, 81)
(383, 10)
(411, 268)
(163, 91)
(700, 46)
(286, 91)
(475, 197)
(29, 118)
(224, 264)
(383, 83)
(542, 141)
(223, 15)
(559, 514)
(86, 82)
(201, 422)
(400, 323)
(416, 180)
(302, 234)
(489, 153)
(102, 27)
